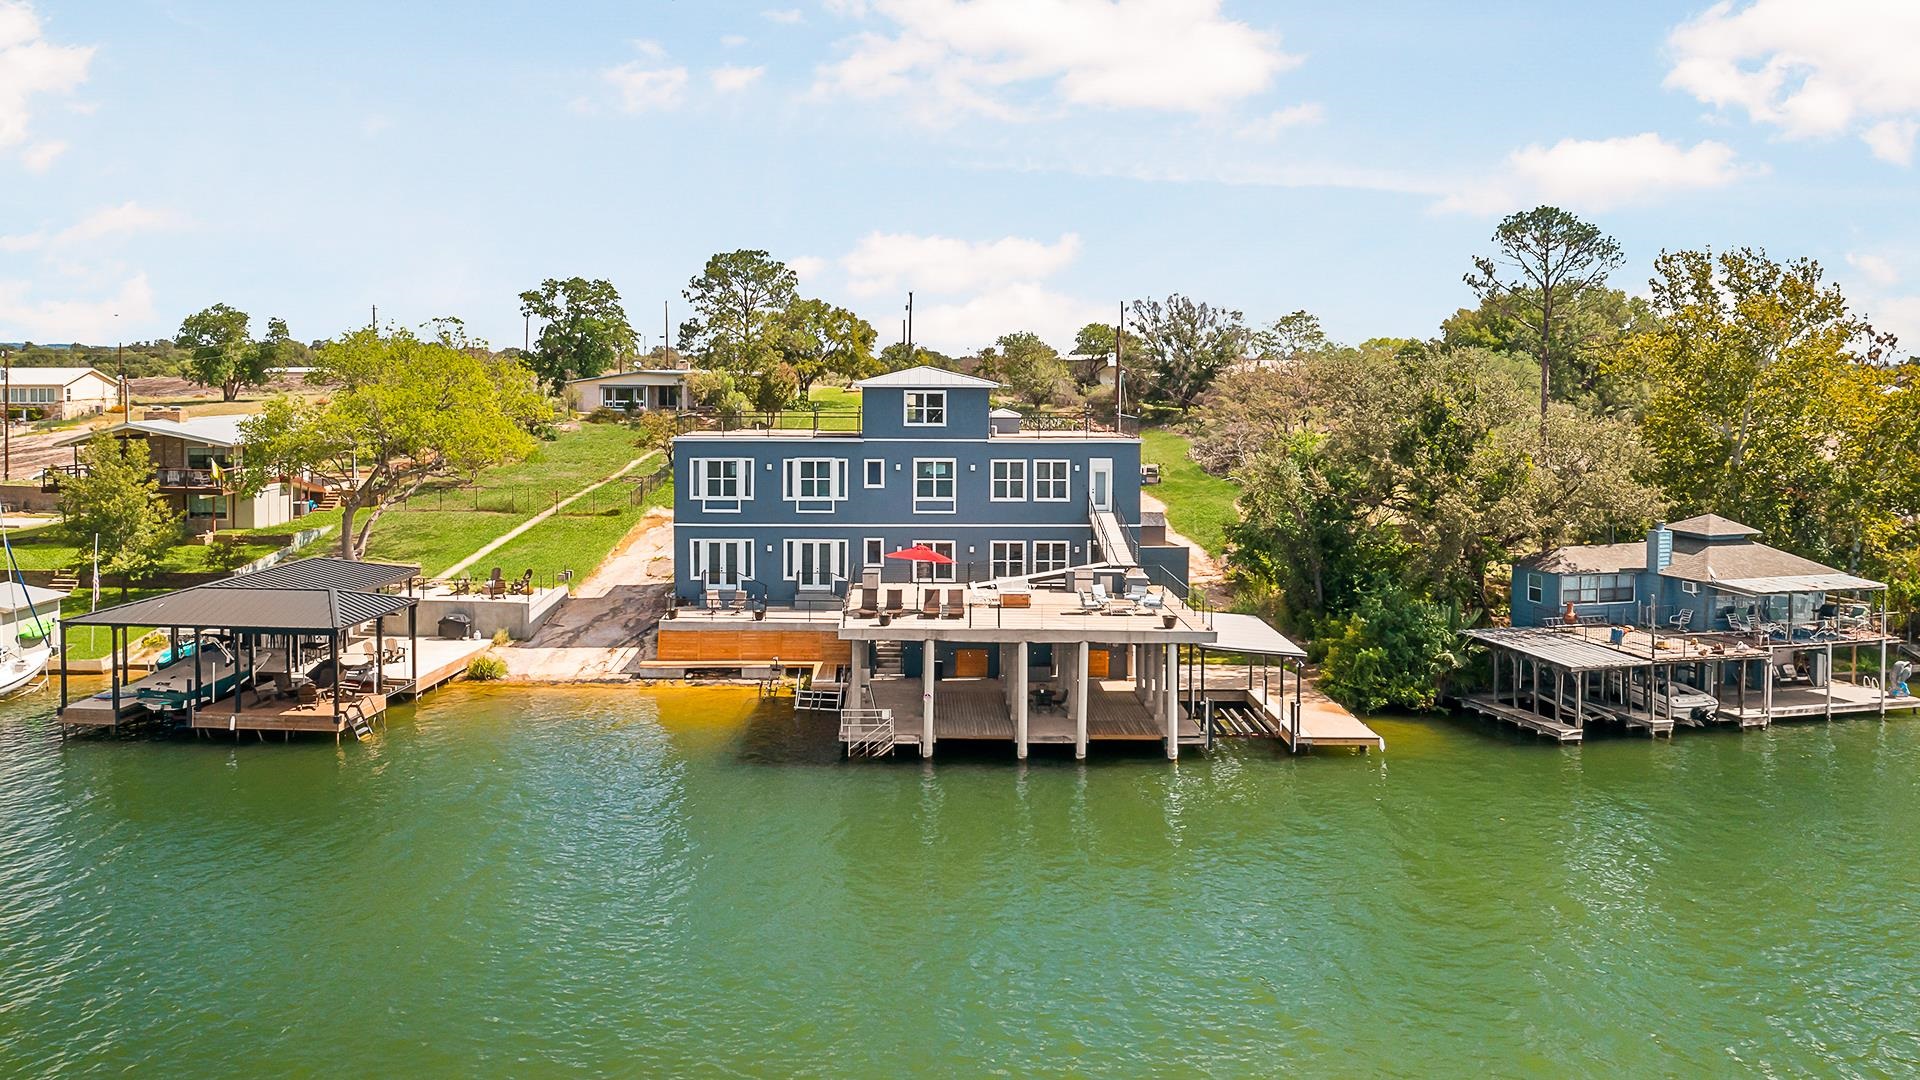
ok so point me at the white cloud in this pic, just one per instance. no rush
(41, 155)
(807, 268)
(962, 327)
(1808, 68)
(649, 48)
(1892, 140)
(732, 80)
(894, 262)
(68, 320)
(1271, 125)
(1600, 174)
(1009, 58)
(643, 88)
(31, 66)
(733, 41)
(788, 16)
(1877, 269)
(126, 219)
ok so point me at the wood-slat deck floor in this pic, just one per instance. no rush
(977, 709)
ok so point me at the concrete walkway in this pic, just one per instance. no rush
(500, 541)
(598, 633)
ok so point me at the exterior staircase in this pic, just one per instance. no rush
(887, 659)
(65, 580)
(328, 501)
(867, 732)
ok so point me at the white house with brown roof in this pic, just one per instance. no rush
(59, 392)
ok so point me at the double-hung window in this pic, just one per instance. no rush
(1009, 481)
(1595, 589)
(1050, 481)
(926, 408)
(1009, 558)
(815, 484)
(722, 483)
(933, 481)
(1049, 555)
(1536, 589)
(873, 553)
(876, 472)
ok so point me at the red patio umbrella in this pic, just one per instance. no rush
(920, 553)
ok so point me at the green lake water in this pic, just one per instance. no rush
(519, 882)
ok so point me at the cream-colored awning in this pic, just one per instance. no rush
(1251, 636)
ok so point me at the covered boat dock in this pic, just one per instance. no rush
(247, 652)
(1265, 708)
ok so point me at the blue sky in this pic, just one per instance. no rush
(1020, 164)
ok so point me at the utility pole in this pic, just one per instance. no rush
(6, 421)
(375, 323)
(1119, 373)
(526, 334)
(909, 324)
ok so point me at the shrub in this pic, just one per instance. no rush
(606, 415)
(1391, 651)
(501, 637)
(486, 667)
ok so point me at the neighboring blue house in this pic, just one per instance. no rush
(1688, 575)
(785, 514)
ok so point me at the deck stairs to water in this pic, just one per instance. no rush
(356, 719)
(867, 732)
(887, 659)
(1237, 720)
(826, 697)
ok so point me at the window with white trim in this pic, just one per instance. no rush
(1594, 589)
(722, 479)
(933, 480)
(33, 395)
(1536, 589)
(1009, 481)
(816, 483)
(926, 408)
(876, 472)
(720, 562)
(1051, 481)
(873, 552)
(927, 571)
(1050, 555)
(1009, 558)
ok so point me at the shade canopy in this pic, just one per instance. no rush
(1249, 635)
(919, 553)
(226, 607)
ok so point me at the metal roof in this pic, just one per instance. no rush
(265, 609)
(55, 376)
(1796, 583)
(17, 597)
(212, 430)
(323, 573)
(1566, 649)
(925, 376)
(1249, 634)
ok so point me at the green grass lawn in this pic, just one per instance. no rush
(1199, 506)
(567, 541)
(834, 398)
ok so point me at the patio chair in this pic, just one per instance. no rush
(714, 603)
(308, 694)
(896, 602)
(930, 603)
(463, 587)
(524, 586)
(869, 608)
(496, 584)
(1088, 603)
(1738, 624)
(1681, 619)
(1153, 601)
(956, 605)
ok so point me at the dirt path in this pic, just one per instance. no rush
(597, 634)
(1204, 572)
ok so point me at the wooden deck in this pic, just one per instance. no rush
(1323, 722)
(1809, 703)
(1529, 721)
(976, 709)
(284, 716)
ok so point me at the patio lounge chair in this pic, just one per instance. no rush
(524, 586)
(1681, 619)
(896, 602)
(1152, 601)
(463, 587)
(956, 605)
(930, 603)
(1088, 603)
(869, 608)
